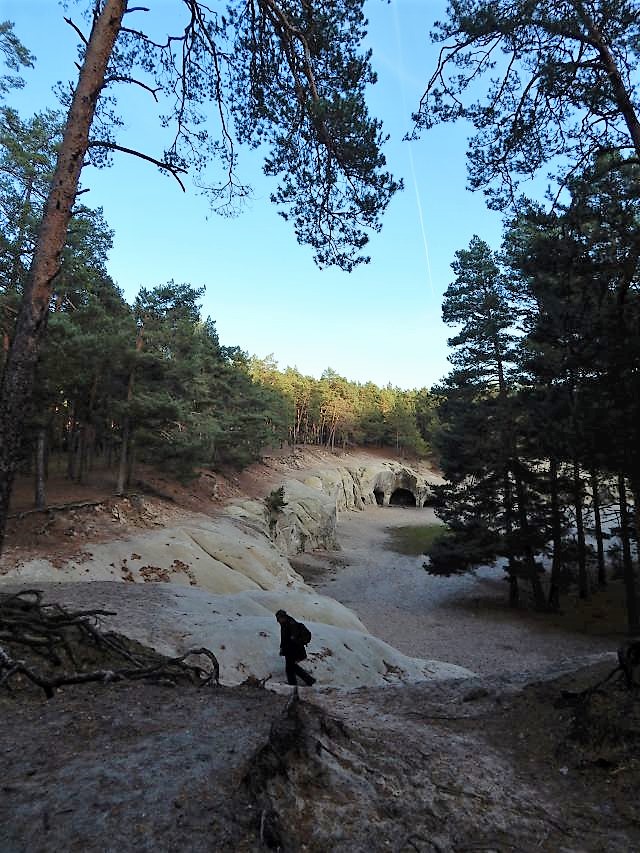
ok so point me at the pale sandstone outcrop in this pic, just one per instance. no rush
(354, 486)
(242, 632)
(223, 578)
(314, 500)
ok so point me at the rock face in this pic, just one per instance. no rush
(307, 521)
(314, 501)
(353, 487)
(394, 478)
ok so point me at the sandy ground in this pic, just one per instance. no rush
(463, 620)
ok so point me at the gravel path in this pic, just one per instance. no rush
(463, 620)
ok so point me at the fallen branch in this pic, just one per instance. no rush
(132, 496)
(54, 635)
(58, 508)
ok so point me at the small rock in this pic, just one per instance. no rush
(475, 694)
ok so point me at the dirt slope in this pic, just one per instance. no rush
(450, 767)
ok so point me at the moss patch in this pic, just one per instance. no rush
(414, 540)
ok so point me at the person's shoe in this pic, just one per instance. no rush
(311, 681)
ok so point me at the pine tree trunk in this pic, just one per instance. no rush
(40, 495)
(131, 463)
(583, 580)
(47, 453)
(124, 471)
(88, 432)
(19, 371)
(71, 439)
(633, 620)
(529, 558)
(512, 574)
(124, 449)
(89, 452)
(597, 518)
(556, 537)
(82, 454)
(75, 453)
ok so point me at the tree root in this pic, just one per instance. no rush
(628, 660)
(53, 637)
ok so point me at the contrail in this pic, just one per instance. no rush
(405, 109)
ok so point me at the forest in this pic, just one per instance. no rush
(536, 426)
(537, 421)
(151, 381)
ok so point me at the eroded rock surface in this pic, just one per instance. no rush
(217, 581)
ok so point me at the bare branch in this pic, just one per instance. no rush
(161, 164)
(119, 79)
(78, 31)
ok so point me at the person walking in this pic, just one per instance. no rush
(293, 636)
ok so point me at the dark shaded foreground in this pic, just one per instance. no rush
(496, 764)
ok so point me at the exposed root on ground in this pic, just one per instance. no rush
(289, 777)
(48, 646)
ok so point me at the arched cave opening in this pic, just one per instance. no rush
(402, 497)
(379, 496)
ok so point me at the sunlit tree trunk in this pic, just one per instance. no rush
(18, 375)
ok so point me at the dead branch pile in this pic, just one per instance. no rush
(48, 646)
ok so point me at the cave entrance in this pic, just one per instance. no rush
(379, 496)
(402, 497)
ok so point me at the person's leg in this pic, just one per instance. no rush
(290, 669)
(305, 676)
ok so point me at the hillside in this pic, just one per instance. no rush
(508, 759)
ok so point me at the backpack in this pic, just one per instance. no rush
(301, 633)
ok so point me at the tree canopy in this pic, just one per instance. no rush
(541, 81)
(287, 78)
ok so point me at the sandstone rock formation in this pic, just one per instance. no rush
(217, 581)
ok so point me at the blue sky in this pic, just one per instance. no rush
(381, 322)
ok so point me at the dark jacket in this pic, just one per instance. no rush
(290, 644)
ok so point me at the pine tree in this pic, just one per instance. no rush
(289, 78)
(488, 502)
(579, 266)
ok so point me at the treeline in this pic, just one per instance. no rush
(540, 415)
(334, 412)
(151, 381)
